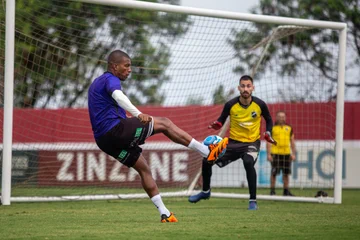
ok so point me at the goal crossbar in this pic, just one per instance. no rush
(217, 13)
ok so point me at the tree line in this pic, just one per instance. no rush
(55, 37)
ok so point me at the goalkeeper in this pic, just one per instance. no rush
(120, 136)
(244, 142)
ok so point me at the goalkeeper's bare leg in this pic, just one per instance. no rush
(152, 190)
(177, 135)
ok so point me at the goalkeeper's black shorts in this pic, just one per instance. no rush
(280, 163)
(122, 141)
(236, 150)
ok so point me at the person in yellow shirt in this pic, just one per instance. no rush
(283, 153)
(245, 112)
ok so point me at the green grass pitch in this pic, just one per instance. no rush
(213, 219)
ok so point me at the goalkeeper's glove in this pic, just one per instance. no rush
(215, 125)
(268, 137)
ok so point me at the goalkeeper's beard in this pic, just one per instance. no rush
(248, 95)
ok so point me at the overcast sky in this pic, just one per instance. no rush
(213, 54)
(243, 6)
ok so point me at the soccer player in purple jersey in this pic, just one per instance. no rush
(120, 136)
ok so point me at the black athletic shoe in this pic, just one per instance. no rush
(288, 193)
(272, 193)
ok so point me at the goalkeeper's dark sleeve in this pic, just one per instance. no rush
(225, 113)
(266, 115)
(269, 123)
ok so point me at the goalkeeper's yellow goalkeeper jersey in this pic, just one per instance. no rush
(245, 120)
(282, 135)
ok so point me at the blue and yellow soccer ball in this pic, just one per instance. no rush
(214, 139)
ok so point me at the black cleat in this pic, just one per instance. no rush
(288, 193)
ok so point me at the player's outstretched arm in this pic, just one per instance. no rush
(216, 125)
(269, 123)
(125, 103)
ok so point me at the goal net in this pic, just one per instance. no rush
(185, 67)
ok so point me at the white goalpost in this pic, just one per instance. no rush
(48, 151)
(8, 103)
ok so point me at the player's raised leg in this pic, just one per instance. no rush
(152, 190)
(177, 135)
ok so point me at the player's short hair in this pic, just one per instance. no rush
(246, 77)
(116, 56)
(281, 111)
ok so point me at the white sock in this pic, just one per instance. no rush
(201, 148)
(160, 205)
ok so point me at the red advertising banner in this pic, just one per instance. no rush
(57, 148)
(310, 121)
(92, 168)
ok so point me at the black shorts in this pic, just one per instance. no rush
(122, 141)
(236, 150)
(280, 163)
